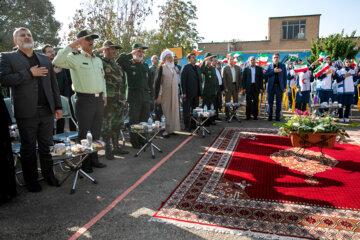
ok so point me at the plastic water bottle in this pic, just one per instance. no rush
(163, 121)
(89, 139)
(68, 145)
(315, 99)
(330, 102)
(212, 107)
(205, 109)
(150, 123)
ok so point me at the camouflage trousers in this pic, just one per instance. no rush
(113, 119)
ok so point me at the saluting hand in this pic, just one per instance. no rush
(77, 43)
(37, 71)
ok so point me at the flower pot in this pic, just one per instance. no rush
(321, 140)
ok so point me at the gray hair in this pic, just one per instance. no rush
(153, 56)
(251, 57)
(17, 30)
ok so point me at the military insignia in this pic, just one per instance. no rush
(107, 70)
(86, 55)
(85, 63)
(134, 73)
(76, 52)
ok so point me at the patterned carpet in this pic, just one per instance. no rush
(252, 182)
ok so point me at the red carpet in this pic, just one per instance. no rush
(251, 182)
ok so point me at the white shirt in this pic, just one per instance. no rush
(252, 74)
(218, 74)
(233, 73)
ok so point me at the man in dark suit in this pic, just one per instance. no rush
(36, 98)
(277, 76)
(191, 88)
(231, 74)
(252, 80)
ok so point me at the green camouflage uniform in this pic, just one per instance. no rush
(114, 111)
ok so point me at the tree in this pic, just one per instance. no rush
(117, 20)
(336, 46)
(177, 27)
(37, 15)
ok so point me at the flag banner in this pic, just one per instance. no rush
(198, 51)
(354, 63)
(321, 56)
(300, 68)
(321, 69)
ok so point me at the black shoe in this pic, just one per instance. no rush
(136, 146)
(34, 187)
(87, 170)
(212, 123)
(255, 118)
(52, 181)
(247, 118)
(278, 119)
(165, 135)
(227, 118)
(269, 119)
(98, 164)
(109, 154)
(119, 151)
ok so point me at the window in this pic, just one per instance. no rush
(293, 29)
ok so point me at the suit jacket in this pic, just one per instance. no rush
(270, 74)
(228, 79)
(189, 81)
(246, 79)
(15, 73)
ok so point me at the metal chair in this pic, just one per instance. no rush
(66, 115)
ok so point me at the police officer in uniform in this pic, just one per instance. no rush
(115, 108)
(87, 74)
(138, 89)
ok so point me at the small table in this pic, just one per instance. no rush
(200, 118)
(148, 136)
(76, 167)
(234, 107)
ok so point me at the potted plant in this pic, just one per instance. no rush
(310, 130)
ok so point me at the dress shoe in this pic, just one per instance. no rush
(212, 123)
(165, 135)
(255, 118)
(34, 187)
(119, 151)
(247, 118)
(52, 181)
(269, 119)
(87, 170)
(109, 154)
(278, 119)
(98, 164)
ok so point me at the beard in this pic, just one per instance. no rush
(137, 58)
(28, 45)
(171, 65)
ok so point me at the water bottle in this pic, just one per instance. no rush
(150, 123)
(205, 109)
(89, 139)
(212, 107)
(330, 102)
(162, 125)
(68, 145)
(315, 99)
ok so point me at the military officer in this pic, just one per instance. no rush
(87, 74)
(138, 89)
(152, 74)
(115, 108)
(210, 83)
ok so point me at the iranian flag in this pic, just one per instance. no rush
(354, 63)
(321, 56)
(321, 69)
(263, 59)
(235, 54)
(199, 62)
(198, 51)
(300, 68)
(223, 60)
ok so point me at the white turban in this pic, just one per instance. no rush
(165, 53)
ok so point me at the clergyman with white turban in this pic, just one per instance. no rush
(166, 92)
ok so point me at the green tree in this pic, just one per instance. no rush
(177, 27)
(37, 15)
(117, 20)
(336, 46)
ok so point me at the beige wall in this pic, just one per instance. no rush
(274, 44)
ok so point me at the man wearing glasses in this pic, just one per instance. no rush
(87, 74)
(276, 74)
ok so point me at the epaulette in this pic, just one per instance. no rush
(76, 52)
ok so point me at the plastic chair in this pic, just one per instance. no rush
(67, 115)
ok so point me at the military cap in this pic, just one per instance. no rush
(138, 45)
(208, 55)
(85, 33)
(109, 43)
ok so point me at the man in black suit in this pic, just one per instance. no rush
(190, 88)
(252, 80)
(36, 98)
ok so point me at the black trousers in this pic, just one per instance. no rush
(219, 99)
(37, 129)
(252, 102)
(138, 112)
(89, 113)
(189, 103)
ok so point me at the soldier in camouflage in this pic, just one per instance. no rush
(115, 110)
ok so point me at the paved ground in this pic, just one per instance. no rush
(55, 214)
